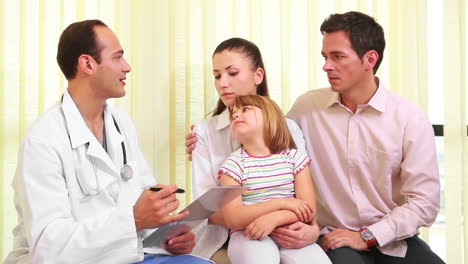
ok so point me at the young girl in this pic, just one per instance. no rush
(280, 186)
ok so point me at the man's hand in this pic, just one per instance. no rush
(190, 140)
(296, 235)
(261, 227)
(153, 208)
(343, 238)
(182, 244)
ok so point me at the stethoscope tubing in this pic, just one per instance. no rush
(126, 172)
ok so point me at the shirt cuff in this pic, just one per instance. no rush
(383, 232)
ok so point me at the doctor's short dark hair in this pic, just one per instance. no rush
(363, 32)
(77, 39)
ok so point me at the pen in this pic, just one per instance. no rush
(157, 189)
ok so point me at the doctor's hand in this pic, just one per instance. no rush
(182, 244)
(190, 140)
(153, 209)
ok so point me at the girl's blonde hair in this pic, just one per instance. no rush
(275, 130)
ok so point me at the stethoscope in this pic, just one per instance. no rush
(126, 172)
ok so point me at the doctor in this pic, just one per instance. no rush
(81, 183)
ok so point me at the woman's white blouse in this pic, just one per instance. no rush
(213, 147)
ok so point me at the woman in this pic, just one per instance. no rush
(238, 70)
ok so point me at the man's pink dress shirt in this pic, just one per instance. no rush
(375, 168)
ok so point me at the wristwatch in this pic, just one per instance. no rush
(368, 237)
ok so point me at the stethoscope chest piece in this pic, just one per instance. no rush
(126, 172)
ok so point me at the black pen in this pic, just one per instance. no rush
(157, 189)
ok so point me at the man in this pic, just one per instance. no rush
(375, 160)
(81, 184)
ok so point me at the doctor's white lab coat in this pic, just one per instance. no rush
(57, 221)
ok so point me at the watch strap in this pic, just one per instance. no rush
(369, 241)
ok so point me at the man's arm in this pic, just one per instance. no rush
(52, 229)
(56, 231)
(420, 185)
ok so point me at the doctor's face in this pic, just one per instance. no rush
(234, 75)
(110, 75)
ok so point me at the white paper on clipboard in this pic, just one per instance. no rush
(200, 209)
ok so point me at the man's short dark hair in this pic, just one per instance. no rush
(77, 39)
(363, 32)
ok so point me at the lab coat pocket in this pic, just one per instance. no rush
(113, 190)
(88, 182)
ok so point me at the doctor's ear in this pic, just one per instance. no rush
(86, 64)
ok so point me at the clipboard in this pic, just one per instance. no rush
(200, 210)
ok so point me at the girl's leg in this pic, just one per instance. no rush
(308, 254)
(243, 250)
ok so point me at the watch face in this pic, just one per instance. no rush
(367, 234)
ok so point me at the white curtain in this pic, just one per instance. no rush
(169, 44)
(455, 131)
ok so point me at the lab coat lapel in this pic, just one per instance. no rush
(114, 139)
(96, 150)
(80, 134)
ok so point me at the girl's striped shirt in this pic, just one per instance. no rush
(268, 177)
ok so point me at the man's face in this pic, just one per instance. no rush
(109, 77)
(345, 70)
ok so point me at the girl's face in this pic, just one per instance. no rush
(247, 122)
(234, 76)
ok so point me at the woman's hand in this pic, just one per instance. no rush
(190, 142)
(296, 235)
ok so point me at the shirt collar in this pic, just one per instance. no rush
(223, 120)
(333, 99)
(378, 101)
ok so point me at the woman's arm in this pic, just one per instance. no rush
(202, 167)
